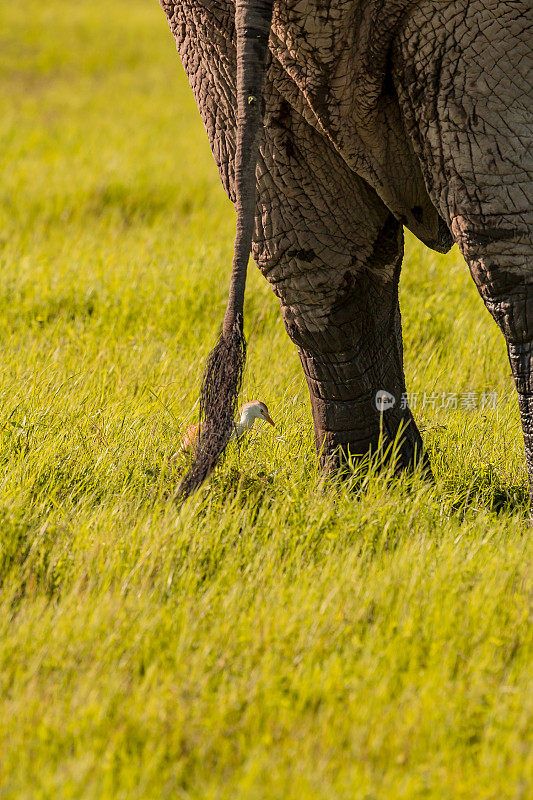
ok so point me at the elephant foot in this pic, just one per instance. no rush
(348, 432)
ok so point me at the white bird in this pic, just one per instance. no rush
(249, 413)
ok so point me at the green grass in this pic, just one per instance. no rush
(282, 636)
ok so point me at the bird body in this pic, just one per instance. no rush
(249, 412)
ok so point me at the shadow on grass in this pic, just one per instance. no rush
(481, 488)
(485, 488)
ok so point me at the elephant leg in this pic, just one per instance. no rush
(462, 77)
(501, 260)
(353, 356)
(332, 253)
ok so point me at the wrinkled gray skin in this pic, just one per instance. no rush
(378, 114)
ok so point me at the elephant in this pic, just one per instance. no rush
(334, 124)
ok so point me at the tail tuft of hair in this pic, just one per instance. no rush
(218, 406)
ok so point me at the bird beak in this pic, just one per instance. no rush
(268, 418)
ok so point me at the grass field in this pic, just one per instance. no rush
(281, 636)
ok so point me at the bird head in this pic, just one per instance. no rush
(254, 410)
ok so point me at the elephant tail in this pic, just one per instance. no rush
(225, 366)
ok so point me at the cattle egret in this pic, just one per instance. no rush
(249, 412)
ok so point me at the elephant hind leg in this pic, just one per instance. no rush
(464, 88)
(354, 370)
(332, 252)
(500, 258)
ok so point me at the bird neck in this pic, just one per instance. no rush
(245, 423)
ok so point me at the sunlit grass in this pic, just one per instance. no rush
(283, 635)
